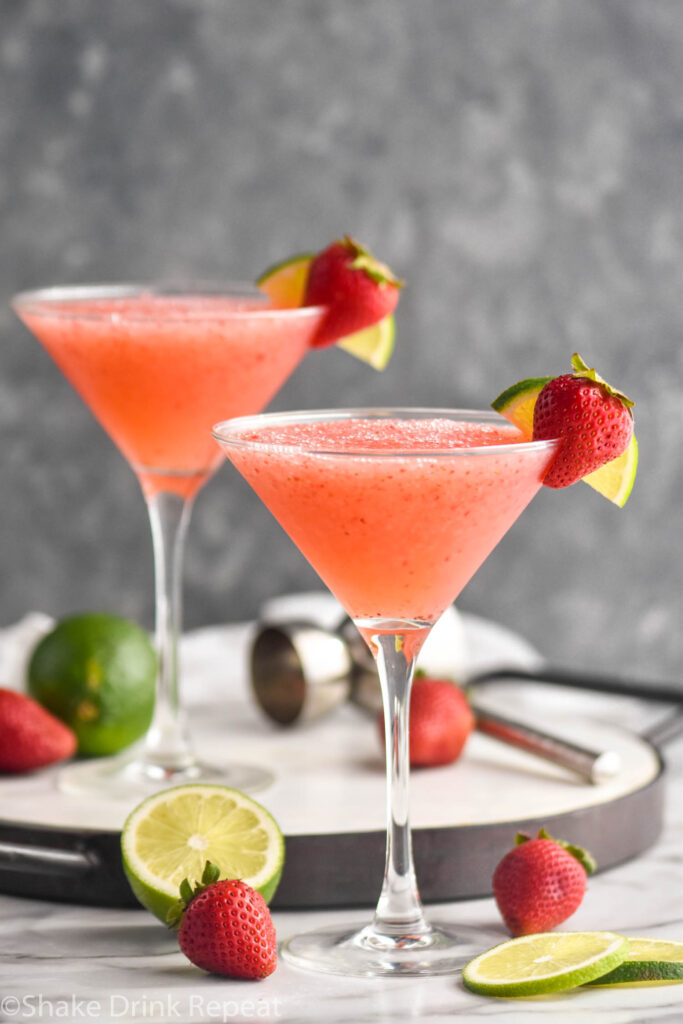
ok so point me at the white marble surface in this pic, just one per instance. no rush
(73, 963)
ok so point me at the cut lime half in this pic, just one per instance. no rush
(171, 835)
(547, 962)
(285, 285)
(614, 480)
(649, 962)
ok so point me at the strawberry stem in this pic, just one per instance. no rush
(188, 892)
(581, 369)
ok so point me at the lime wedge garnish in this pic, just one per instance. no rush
(285, 284)
(547, 962)
(517, 403)
(649, 962)
(614, 480)
(373, 345)
(171, 835)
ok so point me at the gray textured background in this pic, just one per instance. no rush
(520, 162)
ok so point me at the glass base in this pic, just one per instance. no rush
(365, 953)
(128, 777)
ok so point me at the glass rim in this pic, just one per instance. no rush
(226, 432)
(47, 301)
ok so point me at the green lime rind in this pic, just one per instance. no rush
(275, 268)
(641, 972)
(544, 963)
(522, 389)
(649, 961)
(171, 835)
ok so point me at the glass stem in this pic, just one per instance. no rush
(167, 749)
(399, 911)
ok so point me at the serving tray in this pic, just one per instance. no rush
(329, 792)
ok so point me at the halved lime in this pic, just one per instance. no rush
(171, 835)
(649, 962)
(547, 962)
(285, 284)
(614, 480)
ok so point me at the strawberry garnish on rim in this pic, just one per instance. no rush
(357, 290)
(593, 420)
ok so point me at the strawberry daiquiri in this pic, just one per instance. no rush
(156, 370)
(396, 510)
(156, 367)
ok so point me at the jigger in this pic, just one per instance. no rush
(300, 671)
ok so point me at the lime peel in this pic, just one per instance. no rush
(171, 835)
(545, 962)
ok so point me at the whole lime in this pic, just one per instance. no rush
(96, 672)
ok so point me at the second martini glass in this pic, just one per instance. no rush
(157, 366)
(395, 509)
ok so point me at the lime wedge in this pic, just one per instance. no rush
(285, 284)
(547, 962)
(614, 480)
(374, 345)
(517, 403)
(649, 962)
(171, 835)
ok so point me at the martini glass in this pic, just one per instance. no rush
(395, 509)
(157, 366)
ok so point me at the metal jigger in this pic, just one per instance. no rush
(301, 671)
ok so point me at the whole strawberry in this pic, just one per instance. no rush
(357, 289)
(439, 723)
(593, 420)
(225, 927)
(540, 883)
(30, 737)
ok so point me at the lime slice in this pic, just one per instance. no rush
(285, 284)
(171, 835)
(374, 345)
(649, 962)
(517, 403)
(547, 962)
(614, 480)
